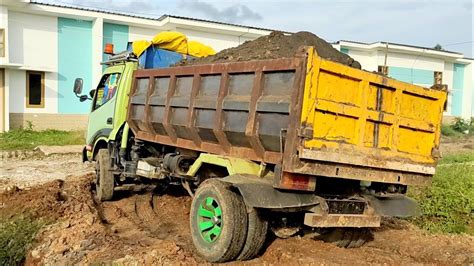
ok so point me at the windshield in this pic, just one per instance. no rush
(106, 89)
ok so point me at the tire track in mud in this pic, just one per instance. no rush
(149, 219)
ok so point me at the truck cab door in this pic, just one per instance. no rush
(101, 117)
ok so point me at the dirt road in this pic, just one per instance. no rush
(146, 228)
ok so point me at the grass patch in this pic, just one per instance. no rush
(458, 158)
(16, 237)
(447, 205)
(25, 139)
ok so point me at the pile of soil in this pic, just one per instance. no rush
(278, 45)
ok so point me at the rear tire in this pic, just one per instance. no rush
(218, 221)
(256, 235)
(104, 183)
(347, 237)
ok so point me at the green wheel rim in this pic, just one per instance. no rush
(210, 219)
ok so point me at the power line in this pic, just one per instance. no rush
(457, 43)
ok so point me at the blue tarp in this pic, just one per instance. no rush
(155, 57)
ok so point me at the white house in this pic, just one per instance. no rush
(44, 47)
(421, 66)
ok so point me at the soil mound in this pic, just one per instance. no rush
(278, 45)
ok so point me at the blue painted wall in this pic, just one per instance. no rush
(117, 35)
(74, 60)
(458, 87)
(412, 75)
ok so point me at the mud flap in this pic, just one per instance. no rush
(396, 206)
(260, 193)
(84, 155)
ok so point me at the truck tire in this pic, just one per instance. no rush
(256, 235)
(218, 221)
(104, 182)
(347, 237)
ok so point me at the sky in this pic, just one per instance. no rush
(415, 22)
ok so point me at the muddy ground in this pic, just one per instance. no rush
(153, 228)
(456, 145)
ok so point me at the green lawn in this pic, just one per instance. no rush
(464, 157)
(23, 139)
(447, 205)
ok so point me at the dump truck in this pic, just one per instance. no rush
(265, 145)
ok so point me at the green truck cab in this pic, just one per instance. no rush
(261, 146)
(109, 107)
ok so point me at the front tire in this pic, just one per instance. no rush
(104, 183)
(218, 221)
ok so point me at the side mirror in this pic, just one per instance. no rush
(83, 98)
(78, 86)
(91, 93)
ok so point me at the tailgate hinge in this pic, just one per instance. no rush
(306, 132)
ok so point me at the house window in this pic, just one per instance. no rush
(34, 89)
(383, 70)
(438, 77)
(2, 42)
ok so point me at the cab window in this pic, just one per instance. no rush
(106, 89)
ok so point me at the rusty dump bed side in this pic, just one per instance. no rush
(329, 119)
(234, 109)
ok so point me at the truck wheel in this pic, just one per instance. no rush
(104, 181)
(218, 220)
(256, 235)
(347, 237)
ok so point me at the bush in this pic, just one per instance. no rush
(458, 127)
(461, 125)
(16, 237)
(447, 204)
(447, 130)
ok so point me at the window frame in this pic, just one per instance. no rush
(28, 105)
(2, 41)
(438, 77)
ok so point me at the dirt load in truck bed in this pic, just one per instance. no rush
(277, 45)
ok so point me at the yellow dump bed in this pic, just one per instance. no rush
(364, 119)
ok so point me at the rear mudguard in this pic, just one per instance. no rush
(260, 193)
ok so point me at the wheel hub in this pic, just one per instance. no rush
(210, 219)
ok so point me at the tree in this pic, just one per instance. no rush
(438, 47)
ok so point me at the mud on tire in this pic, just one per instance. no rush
(104, 183)
(256, 235)
(218, 221)
(347, 237)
